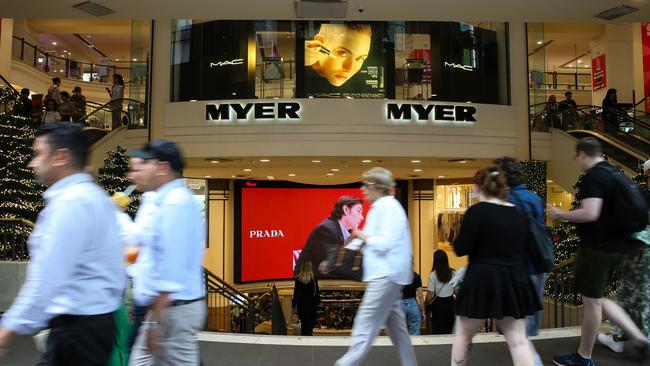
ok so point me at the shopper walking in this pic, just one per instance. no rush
(496, 285)
(117, 95)
(386, 269)
(171, 281)
(413, 304)
(531, 205)
(602, 248)
(306, 297)
(75, 279)
(440, 294)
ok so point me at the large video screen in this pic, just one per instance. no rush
(275, 221)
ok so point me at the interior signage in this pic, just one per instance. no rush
(237, 61)
(252, 111)
(430, 112)
(459, 66)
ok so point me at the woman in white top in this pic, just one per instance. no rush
(440, 295)
(51, 114)
(117, 94)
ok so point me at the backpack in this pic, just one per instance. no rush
(628, 208)
(540, 242)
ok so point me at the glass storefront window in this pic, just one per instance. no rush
(448, 61)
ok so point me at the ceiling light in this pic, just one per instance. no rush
(193, 100)
(270, 177)
(366, 161)
(613, 13)
(40, 60)
(64, 51)
(93, 8)
(441, 176)
(61, 70)
(315, 161)
(135, 59)
(208, 176)
(117, 59)
(417, 170)
(549, 181)
(264, 160)
(54, 43)
(335, 169)
(462, 161)
(415, 161)
(539, 42)
(248, 170)
(570, 65)
(214, 161)
(233, 176)
(586, 65)
(292, 174)
(330, 174)
(579, 61)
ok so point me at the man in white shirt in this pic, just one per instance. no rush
(75, 280)
(387, 260)
(171, 282)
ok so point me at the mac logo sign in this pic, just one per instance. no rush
(237, 61)
(458, 66)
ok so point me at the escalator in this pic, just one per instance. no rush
(625, 139)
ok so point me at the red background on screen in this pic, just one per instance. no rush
(294, 211)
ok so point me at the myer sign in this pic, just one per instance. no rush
(292, 112)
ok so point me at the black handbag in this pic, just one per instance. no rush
(345, 263)
(540, 242)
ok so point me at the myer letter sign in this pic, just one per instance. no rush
(252, 111)
(432, 112)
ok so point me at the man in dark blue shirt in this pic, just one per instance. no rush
(529, 203)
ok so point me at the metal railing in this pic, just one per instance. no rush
(229, 310)
(65, 66)
(101, 115)
(562, 302)
(14, 233)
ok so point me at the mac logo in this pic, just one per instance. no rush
(237, 61)
(457, 66)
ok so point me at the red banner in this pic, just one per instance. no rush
(645, 42)
(598, 73)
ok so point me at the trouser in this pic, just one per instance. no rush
(534, 322)
(179, 345)
(413, 315)
(139, 313)
(79, 340)
(381, 305)
(634, 292)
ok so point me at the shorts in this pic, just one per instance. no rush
(592, 270)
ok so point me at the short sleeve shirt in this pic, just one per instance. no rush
(598, 183)
(410, 290)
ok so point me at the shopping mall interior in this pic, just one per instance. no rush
(270, 141)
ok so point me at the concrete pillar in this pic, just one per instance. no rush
(616, 45)
(519, 87)
(160, 76)
(637, 62)
(6, 32)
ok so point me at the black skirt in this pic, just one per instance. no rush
(441, 313)
(491, 291)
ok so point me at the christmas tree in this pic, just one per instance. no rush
(640, 178)
(534, 172)
(112, 176)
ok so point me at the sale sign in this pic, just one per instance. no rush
(598, 73)
(645, 44)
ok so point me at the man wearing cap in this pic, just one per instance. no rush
(171, 282)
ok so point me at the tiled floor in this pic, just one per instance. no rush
(430, 352)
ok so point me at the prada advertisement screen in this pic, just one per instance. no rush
(343, 60)
(279, 225)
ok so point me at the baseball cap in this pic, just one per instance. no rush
(646, 165)
(161, 150)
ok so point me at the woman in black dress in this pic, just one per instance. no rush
(496, 285)
(306, 297)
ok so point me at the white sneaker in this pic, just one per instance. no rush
(609, 341)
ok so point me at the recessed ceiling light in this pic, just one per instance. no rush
(315, 161)
(462, 161)
(54, 43)
(292, 174)
(248, 170)
(330, 174)
(208, 176)
(270, 177)
(264, 160)
(539, 42)
(570, 65)
(117, 59)
(193, 100)
(549, 181)
(586, 65)
(233, 176)
(366, 161)
(417, 170)
(441, 176)
(61, 70)
(215, 161)
(335, 169)
(415, 161)
(579, 61)
(64, 51)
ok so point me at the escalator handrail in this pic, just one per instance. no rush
(10, 86)
(612, 141)
(640, 102)
(105, 107)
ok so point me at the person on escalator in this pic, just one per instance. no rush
(610, 111)
(79, 101)
(567, 109)
(117, 95)
(67, 108)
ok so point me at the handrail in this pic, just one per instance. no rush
(619, 144)
(227, 297)
(641, 101)
(105, 107)
(17, 219)
(580, 108)
(14, 233)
